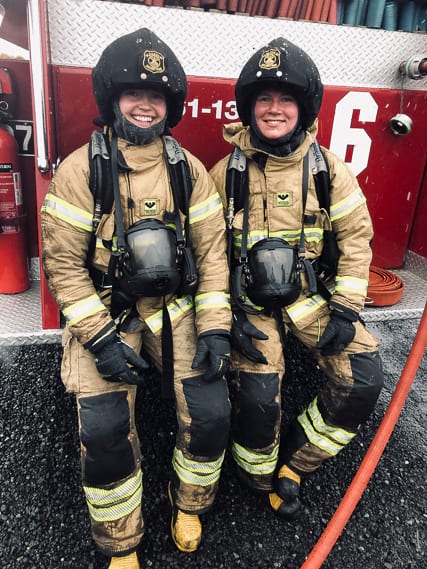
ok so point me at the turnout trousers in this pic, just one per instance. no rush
(354, 379)
(110, 447)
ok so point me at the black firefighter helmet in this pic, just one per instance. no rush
(287, 66)
(139, 60)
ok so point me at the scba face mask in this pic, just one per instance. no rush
(152, 267)
(273, 275)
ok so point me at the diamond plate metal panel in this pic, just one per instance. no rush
(217, 45)
(21, 319)
(417, 264)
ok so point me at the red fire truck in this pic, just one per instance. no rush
(374, 113)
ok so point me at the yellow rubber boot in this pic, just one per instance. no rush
(126, 562)
(286, 501)
(186, 529)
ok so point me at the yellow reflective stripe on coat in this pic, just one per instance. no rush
(247, 302)
(254, 463)
(287, 235)
(108, 505)
(69, 213)
(195, 472)
(347, 205)
(114, 246)
(330, 439)
(252, 238)
(100, 244)
(209, 300)
(82, 309)
(311, 234)
(305, 307)
(352, 285)
(204, 209)
(175, 308)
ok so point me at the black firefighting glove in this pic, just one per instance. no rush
(115, 359)
(242, 332)
(213, 348)
(339, 332)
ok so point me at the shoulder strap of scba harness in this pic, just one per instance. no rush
(100, 179)
(237, 186)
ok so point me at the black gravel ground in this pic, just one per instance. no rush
(43, 520)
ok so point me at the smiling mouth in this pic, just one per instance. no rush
(274, 122)
(143, 120)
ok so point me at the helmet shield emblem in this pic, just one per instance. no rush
(270, 59)
(153, 61)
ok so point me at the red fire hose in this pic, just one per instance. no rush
(351, 498)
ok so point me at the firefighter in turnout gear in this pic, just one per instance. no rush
(280, 237)
(122, 284)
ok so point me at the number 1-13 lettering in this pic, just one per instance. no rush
(219, 110)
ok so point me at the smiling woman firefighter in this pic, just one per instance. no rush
(134, 250)
(299, 236)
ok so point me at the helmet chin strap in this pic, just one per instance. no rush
(282, 146)
(133, 133)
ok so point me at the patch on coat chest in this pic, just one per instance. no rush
(151, 206)
(283, 199)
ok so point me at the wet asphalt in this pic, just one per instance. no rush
(43, 519)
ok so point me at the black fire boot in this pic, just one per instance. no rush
(286, 501)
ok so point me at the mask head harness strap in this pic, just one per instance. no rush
(237, 187)
(122, 254)
(180, 178)
(307, 267)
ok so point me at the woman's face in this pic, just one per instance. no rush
(276, 113)
(143, 107)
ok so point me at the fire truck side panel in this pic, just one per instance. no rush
(353, 122)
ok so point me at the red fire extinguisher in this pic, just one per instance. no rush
(14, 275)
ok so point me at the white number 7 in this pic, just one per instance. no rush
(28, 131)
